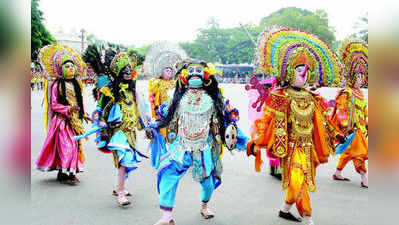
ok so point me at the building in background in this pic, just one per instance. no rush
(72, 39)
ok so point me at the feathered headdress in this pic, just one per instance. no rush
(280, 50)
(259, 56)
(163, 55)
(354, 55)
(53, 56)
(99, 58)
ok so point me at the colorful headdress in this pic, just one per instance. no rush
(52, 57)
(354, 55)
(163, 55)
(259, 56)
(280, 50)
(121, 60)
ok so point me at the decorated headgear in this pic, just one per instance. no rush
(121, 60)
(52, 57)
(163, 55)
(354, 55)
(208, 70)
(280, 50)
(259, 56)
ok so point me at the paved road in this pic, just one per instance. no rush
(245, 197)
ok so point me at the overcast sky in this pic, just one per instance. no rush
(145, 21)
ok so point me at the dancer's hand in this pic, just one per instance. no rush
(102, 124)
(148, 133)
(75, 108)
(252, 150)
(104, 134)
(88, 119)
(341, 138)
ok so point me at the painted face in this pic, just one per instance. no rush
(126, 73)
(195, 74)
(359, 80)
(69, 70)
(167, 73)
(301, 75)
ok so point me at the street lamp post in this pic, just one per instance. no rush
(82, 31)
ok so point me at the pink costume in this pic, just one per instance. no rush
(64, 107)
(60, 150)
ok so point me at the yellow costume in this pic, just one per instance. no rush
(350, 112)
(161, 63)
(158, 89)
(293, 128)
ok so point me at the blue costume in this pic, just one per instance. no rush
(195, 125)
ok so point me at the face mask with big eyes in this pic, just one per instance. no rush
(301, 75)
(69, 70)
(230, 137)
(126, 73)
(195, 71)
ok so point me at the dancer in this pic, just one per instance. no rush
(350, 111)
(64, 106)
(294, 127)
(99, 57)
(161, 63)
(117, 116)
(198, 124)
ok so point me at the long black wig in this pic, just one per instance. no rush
(62, 99)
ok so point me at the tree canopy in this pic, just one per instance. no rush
(40, 36)
(232, 45)
(303, 19)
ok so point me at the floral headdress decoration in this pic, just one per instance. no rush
(284, 49)
(121, 60)
(354, 55)
(52, 57)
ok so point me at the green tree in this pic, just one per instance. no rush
(144, 49)
(220, 45)
(140, 57)
(40, 36)
(232, 45)
(92, 39)
(303, 19)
